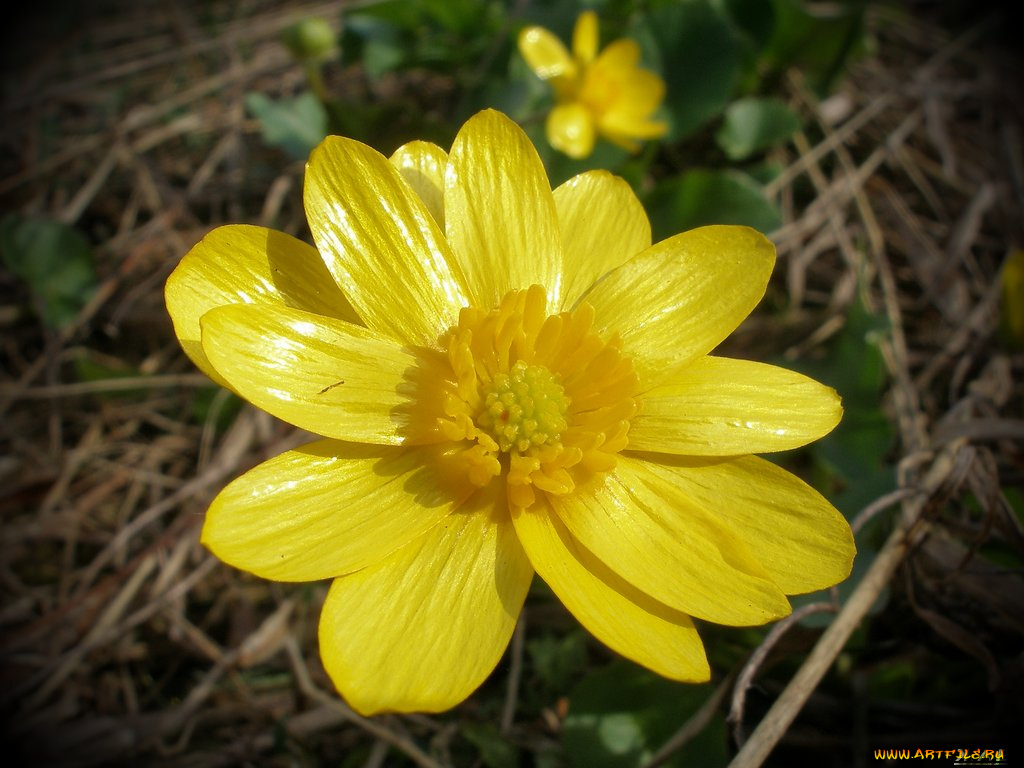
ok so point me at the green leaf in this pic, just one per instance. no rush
(495, 750)
(375, 37)
(755, 19)
(383, 51)
(295, 125)
(754, 22)
(459, 16)
(702, 197)
(820, 42)
(448, 36)
(558, 17)
(557, 659)
(752, 125)
(399, 14)
(620, 715)
(55, 260)
(698, 53)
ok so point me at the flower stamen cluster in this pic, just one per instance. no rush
(541, 397)
(525, 407)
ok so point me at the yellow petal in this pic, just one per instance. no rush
(680, 298)
(647, 530)
(422, 165)
(606, 84)
(618, 58)
(499, 213)
(326, 376)
(545, 54)
(421, 630)
(570, 129)
(635, 129)
(326, 509)
(640, 94)
(603, 225)
(585, 37)
(800, 539)
(624, 129)
(632, 132)
(716, 406)
(616, 613)
(624, 126)
(381, 242)
(241, 264)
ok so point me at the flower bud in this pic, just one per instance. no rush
(311, 39)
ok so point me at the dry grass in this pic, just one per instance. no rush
(125, 642)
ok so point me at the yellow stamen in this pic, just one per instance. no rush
(524, 407)
(539, 397)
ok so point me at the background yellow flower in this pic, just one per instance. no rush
(606, 93)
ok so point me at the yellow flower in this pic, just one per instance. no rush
(606, 93)
(508, 379)
(1011, 308)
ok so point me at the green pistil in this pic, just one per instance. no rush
(523, 408)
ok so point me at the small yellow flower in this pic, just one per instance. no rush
(1011, 308)
(606, 93)
(508, 379)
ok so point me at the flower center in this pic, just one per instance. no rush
(538, 398)
(523, 408)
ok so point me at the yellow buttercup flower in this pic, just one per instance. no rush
(508, 379)
(604, 93)
(1011, 308)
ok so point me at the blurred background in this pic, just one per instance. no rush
(879, 145)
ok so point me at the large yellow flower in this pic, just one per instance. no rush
(508, 380)
(606, 93)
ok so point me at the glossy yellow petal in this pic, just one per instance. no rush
(241, 264)
(326, 509)
(603, 226)
(616, 613)
(499, 212)
(721, 407)
(422, 165)
(628, 115)
(641, 92)
(647, 530)
(545, 54)
(618, 58)
(326, 376)
(632, 132)
(421, 630)
(570, 129)
(624, 128)
(585, 37)
(680, 298)
(800, 539)
(381, 243)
